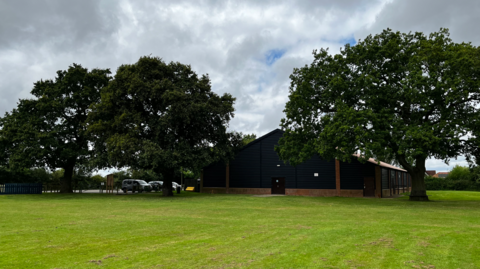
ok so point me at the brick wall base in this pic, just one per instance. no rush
(351, 193)
(250, 191)
(294, 192)
(238, 190)
(311, 192)
(214, 190)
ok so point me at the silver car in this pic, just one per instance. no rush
(135, 185)
(156, 185)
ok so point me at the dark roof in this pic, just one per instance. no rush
(431, 172)
(262, 138)
(255, 142)
(382, 164)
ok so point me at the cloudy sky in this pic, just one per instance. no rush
(249, 48)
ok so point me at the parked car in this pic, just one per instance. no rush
(175, 185)
(156, 185)
(139, 185)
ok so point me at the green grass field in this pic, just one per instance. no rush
(194, 230)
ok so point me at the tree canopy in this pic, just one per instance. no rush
(460, 173)
(160, 117)
(247, 138)
(50, 130)
(404, 95)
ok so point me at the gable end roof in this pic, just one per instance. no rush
(263, 137)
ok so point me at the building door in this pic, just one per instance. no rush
(278, 185)
(368, 186)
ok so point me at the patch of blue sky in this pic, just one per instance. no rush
(273, 55)
(351, 40)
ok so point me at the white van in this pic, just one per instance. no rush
(140, 185)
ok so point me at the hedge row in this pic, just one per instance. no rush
(438, 184)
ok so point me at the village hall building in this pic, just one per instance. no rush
(257, 169)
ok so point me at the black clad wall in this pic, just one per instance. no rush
(272, 166)
(245, 168)
(214, 175)
(257, 163)
(325, 170)
(352, 174)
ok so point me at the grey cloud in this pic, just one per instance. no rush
(60, 24)
(226, 39)
(461, 17)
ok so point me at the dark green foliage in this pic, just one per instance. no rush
(40, 175)
(460, 178)
(98, 178)
(34, 175)
(50, 130)
(475, 173)
(57, 176)
(404, 96)
(161, 117)
(463, 185)
(80, 179)
(435, 183)
(191, 174)
(460, 173)
(247, 138)
(147, 175)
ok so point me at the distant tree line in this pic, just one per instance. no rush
(81, 179)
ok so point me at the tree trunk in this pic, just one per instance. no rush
(66, 181)
(168, 176)
(417, 172)
(419, 191)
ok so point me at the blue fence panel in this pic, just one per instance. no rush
(21, 188)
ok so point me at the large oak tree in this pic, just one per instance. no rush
(403, 95)
(50, 129)
(161, 117)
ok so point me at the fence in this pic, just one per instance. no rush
(21, 188)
